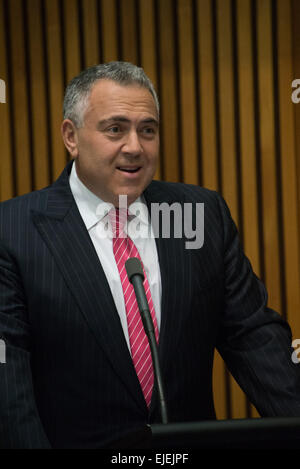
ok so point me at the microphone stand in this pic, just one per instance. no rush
(149, 329)
(136, 277)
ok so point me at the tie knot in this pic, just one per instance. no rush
(118, 219)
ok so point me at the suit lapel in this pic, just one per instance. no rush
(63, 230)
(174, 261)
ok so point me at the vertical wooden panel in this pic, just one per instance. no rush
(268, 153)
(288, 166)
(228, 147)
(209, 168)
(109, 30)
(56, 83)
(20, 98)
(72, 38)
(187, 92)
(91, 30)
(129, 40)
(148, 39)
(170, 148)
(148, 46)
(6, 159)
(219, 387)
(38, 94)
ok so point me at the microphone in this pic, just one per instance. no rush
(135, 275)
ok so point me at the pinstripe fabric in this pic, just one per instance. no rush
(69, 380)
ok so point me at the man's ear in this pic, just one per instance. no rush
(69, 135)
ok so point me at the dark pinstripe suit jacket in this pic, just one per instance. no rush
(68, 380)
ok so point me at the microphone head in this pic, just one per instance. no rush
(133, 267)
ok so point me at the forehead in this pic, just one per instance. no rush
(108, 98)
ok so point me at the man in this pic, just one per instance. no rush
(71, 378)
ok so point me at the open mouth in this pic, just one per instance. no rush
(129, 170)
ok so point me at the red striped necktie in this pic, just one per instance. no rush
(124, 248)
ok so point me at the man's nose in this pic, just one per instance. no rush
(132, 144)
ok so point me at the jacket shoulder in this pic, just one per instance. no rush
(23, 204)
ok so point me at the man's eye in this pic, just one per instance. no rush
(114, 130)
(148, 130)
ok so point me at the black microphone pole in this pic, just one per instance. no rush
(136, 277)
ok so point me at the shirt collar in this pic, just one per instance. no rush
(93, 209)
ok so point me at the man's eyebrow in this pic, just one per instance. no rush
(150, 120)
(112, 119)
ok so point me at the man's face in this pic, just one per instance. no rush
(117, 148)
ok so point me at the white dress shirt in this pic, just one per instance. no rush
(93, 210)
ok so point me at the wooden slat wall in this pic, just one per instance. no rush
(37, 86)
(223, 70)
(168, 91)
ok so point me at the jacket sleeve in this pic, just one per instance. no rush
(20, 425)
(254, 340)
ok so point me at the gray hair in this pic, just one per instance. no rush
(79, 88)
